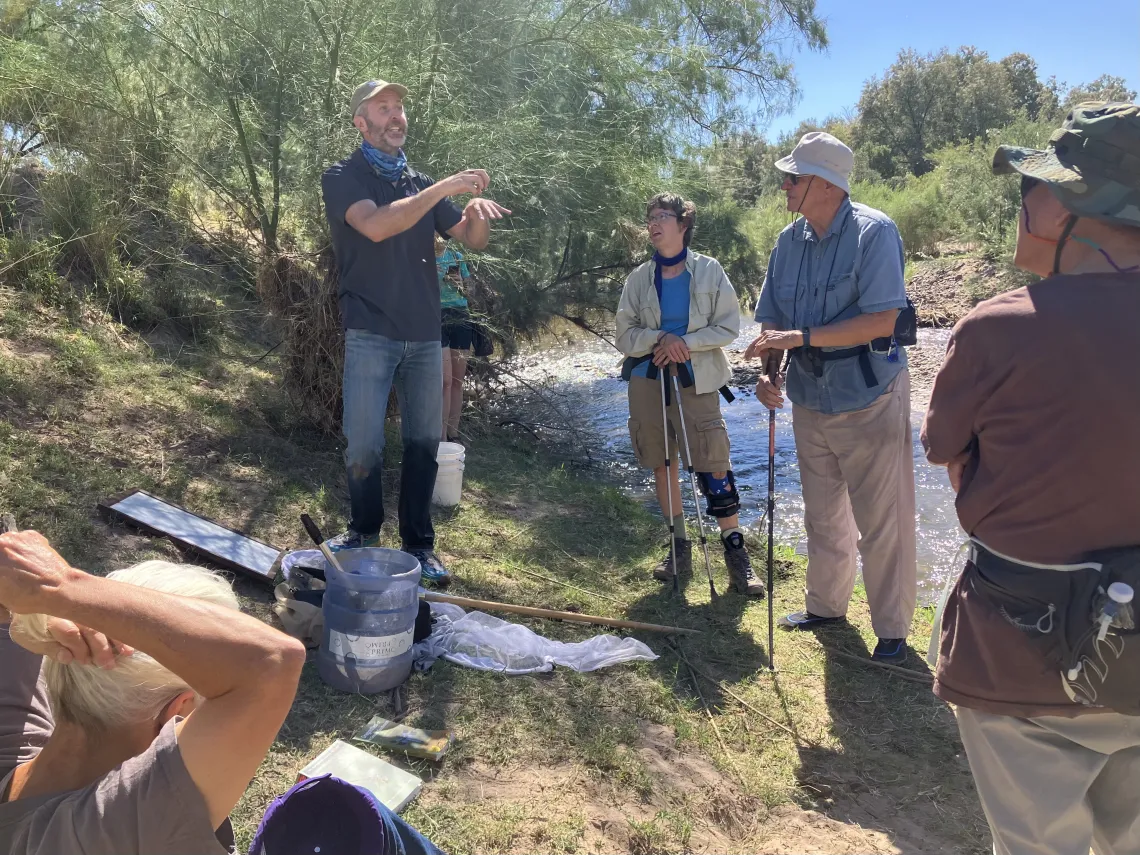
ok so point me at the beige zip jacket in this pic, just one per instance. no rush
(714, 318)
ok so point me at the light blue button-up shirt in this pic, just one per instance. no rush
(855, 269)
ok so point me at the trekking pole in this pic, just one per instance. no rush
(693, 483)
(669, 474)
(773, 377)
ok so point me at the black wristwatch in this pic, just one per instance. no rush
(807, 336)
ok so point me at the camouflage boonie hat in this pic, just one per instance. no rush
(1092, 164)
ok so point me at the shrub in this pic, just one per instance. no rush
(917, 207)
(763, 225)
(28, 264)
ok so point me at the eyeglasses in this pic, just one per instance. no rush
(659, 217)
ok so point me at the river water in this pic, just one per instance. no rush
(585, 374)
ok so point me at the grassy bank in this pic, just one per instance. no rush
(828, 755)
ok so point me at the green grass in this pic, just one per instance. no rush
(623, 759)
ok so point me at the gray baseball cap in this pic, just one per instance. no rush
(371, 88)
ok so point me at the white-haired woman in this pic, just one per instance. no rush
(157, 733)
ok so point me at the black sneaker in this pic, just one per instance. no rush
(806, 620)
(891, 650)
(352, 540)
(432, 571)
(740, 576)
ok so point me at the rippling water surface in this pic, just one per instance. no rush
(588, 372)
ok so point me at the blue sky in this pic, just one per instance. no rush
(866, 36)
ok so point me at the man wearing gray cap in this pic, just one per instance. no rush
(832, 294)
(383, 217)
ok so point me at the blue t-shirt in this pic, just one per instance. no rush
(674, 312)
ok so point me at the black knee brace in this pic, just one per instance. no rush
(723, 503)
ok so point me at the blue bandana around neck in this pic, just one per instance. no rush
(661, 261)
(383, 164)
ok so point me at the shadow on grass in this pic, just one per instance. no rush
(899, 767)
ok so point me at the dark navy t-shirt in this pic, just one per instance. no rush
(389, 288)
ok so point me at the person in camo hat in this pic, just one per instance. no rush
(1045, 461)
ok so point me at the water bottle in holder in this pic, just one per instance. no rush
(1116, 613)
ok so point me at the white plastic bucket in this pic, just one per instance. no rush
(449, 478)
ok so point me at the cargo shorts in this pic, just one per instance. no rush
(708, 434)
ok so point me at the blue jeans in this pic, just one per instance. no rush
(371, 364)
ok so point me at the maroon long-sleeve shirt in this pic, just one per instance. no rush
(1041, 388)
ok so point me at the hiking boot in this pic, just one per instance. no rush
(352, 540)
(806, 620)
(740, 576)
(890, 650)
(432, 571)
(663, 572)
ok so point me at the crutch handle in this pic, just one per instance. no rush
(772, 366)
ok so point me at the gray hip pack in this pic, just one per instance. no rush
(1079, 616)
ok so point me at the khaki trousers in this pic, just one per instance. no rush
(1055, 786)
(857, 475)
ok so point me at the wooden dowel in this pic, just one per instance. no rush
(552, 614)
(906, 673)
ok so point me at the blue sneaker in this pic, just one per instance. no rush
(890, 650)
(806, 620)
(352, 540)
(432, 571)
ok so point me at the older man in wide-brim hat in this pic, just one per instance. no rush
(1046, 463)
(832, 294)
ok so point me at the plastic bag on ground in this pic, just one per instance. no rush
(487, 643)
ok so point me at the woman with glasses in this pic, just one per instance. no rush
(677, 312)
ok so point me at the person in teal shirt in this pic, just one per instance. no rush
(456, 333)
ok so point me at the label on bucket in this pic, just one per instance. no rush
(369, 646)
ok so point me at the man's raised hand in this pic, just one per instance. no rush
(484, 209)
(473, 181)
